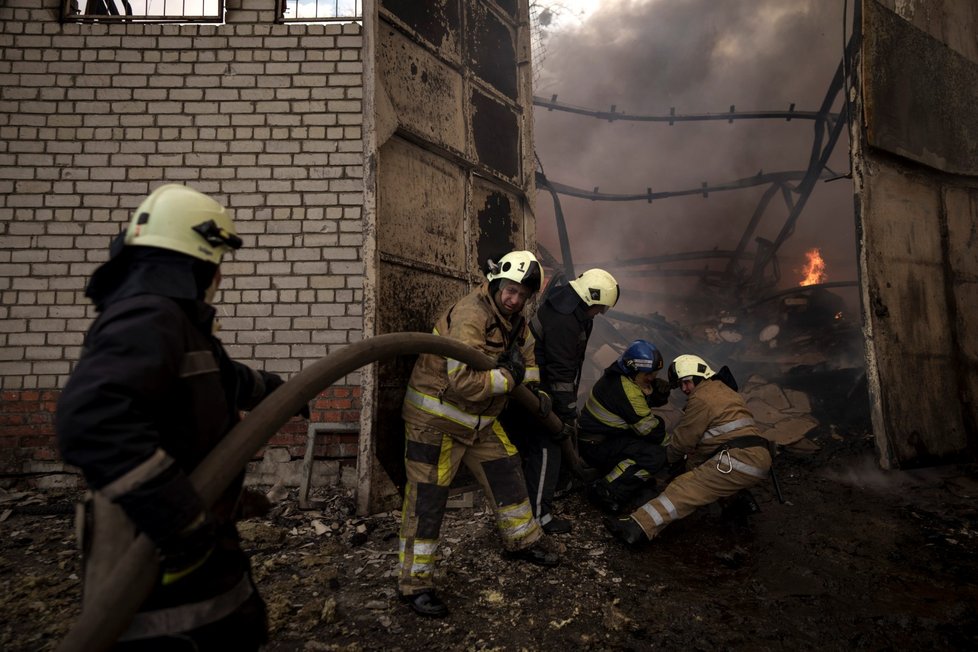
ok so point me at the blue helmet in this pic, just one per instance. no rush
(639, 356)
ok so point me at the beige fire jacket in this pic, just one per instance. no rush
(714, 415)
(450, 396)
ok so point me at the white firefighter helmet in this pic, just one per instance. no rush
(686, 366)
(596, 287)
(519, 266)
(182, 219)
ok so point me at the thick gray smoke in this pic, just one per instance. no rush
(699, 56)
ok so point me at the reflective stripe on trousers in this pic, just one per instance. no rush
(187, 617)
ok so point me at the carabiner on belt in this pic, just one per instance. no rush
(720, 462)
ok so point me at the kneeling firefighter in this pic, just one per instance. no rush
(153, 393)
(619, 434)
(724, 451)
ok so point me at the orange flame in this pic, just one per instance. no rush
(814, 269)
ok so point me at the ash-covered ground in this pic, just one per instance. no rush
(856, 558)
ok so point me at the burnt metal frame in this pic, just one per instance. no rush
(825, 123)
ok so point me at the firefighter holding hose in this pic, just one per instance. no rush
(561, 328)
(724, 451)
(153, 393)
(451, 418)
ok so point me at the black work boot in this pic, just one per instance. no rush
(426, 603)
(739, 506)
(557, 526)
(625, 529)
(600, 496)
(536, 554)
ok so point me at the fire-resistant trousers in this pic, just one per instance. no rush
(629, 463)
(722, 475)
(541, 457)
(432, 459)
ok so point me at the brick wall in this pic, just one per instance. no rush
(264, 117)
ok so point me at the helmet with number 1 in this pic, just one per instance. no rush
(689, 366)
(596, 287)
(519, 266)
(639, 356)
(182, 219)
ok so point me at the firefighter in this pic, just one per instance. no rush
(561, 327)
(723, 449)
(153, 393)
(450, 413)
(618, 432)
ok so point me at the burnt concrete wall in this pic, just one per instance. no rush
(263, 116)
(449, 113)
(916, 165)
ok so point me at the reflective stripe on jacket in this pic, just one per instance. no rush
(714, 415)
(617, 405)
(452, 397)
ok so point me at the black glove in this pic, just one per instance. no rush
(186, 551)
(512, 361)
(569, 431)
(546, 403)
(274, 381)
(660, 392)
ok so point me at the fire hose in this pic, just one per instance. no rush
(115, 601)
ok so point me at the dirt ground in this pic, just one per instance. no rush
(856, 559)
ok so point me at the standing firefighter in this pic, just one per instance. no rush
(619, 434)
(561, 327)
(724, 451)
(450, 412)
(153, 393)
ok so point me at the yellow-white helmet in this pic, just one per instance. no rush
(686, 366)
(596, 287)
(182, 219)
(519, 266)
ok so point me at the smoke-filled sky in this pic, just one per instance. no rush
(699, 56)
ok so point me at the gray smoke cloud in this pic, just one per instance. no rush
(699, 56)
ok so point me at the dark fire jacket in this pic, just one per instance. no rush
(561, 328)
(153, 383)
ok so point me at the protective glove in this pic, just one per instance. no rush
(569, 431)
(512, 361)
(187, 550)
(546, 403)
(274, 381)
(660, 393)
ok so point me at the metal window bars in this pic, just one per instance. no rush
(304, 11)
(186, 11)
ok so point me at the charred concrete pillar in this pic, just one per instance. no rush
(915, 153)
(448, 152)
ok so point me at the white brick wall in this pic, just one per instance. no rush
(264, 117)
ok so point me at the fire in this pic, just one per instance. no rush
(814, 269)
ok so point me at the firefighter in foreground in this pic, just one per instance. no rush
(618, 432)
(723, 448)
(561, 328)
(153, 393)
(450, 413)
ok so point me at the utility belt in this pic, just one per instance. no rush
(591, 438)
(725, 464)
(747, 441)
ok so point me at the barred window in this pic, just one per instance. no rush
(144, 10)
(305, 11)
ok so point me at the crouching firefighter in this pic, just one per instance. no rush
(618, 432)
(153, 393)
(723, 449)
(450, 413)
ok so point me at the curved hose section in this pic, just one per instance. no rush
(113, 606)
